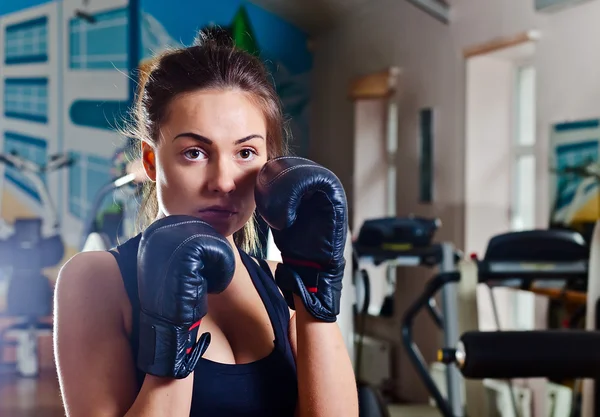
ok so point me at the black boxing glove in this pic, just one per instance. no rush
(180, 260)
(305, 205)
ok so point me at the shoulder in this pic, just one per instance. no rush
(86, 269)
(272, 265)
(91, 333)
(91, 281)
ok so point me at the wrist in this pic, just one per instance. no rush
(305, 317)
(321, 302)
(167, 349)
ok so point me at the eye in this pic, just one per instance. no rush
(247, 154)
(193, 154)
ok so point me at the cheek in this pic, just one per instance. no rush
(174, 186)
(245, 184)
(248, 180)
(170, 171)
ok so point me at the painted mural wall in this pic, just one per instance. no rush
(575, 174)
(65, 85)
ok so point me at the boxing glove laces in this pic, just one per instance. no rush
(181, 259)
(305, 205)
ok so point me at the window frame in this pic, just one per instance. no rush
(519, 150)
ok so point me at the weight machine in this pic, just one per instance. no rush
(29, 246)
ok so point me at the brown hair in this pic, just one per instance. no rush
(212, 62)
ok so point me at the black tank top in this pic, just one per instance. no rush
(266, 388)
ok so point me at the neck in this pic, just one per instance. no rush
(231, 241)
(236, 252)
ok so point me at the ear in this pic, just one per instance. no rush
(149, 161)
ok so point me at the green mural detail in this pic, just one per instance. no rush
(242, 33)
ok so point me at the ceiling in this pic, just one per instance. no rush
(312, 16)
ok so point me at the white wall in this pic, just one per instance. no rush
(392, 32)
(395, 33)
(370, 180)
(488, 138)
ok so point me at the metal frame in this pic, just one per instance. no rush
(446, 282)
(451, 327)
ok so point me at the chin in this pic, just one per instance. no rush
(226, 227)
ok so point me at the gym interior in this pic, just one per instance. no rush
(465, 133)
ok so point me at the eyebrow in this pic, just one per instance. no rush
(206, 140)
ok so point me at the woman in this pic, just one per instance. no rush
(208, 119)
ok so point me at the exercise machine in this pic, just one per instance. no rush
(409, 241)
(95, 237)
(35, 174)
(519, 260)
(558, 354)
(32, 245)
(128, 181)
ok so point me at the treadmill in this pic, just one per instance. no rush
(408, 241)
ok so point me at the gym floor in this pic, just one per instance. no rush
(40, 397)
(26, 397)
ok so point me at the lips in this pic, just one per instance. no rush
(216, 213)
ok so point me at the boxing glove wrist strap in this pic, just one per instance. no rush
(167, 349)
(308, 284)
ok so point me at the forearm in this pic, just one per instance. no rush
(326, 383)
(163, 397)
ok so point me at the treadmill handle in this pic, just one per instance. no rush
(414, 354)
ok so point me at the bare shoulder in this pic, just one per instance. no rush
(93, 274)
(91, 334)
(91, 280)
(272, 265)
(89, 264)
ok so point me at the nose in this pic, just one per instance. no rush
(221, 176)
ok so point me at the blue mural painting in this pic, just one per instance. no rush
(26, 42)
(281, 46)
(69, 77)
(101, 43)
(33, 149)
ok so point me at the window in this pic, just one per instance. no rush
(523, 200)
(27, 42)
(100, 45)
(33, 149)
(26, 98)
(86, 177)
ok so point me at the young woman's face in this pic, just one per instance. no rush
(211, 147)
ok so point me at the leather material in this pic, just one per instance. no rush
(305, 205)
(180, 260)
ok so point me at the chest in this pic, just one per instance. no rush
(242, 330)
